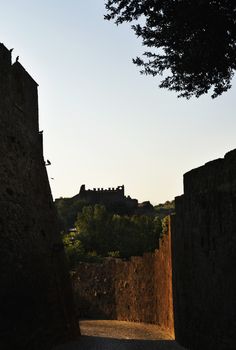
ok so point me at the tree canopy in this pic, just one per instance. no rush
(103, 232)
(100, 233)
(193, 42)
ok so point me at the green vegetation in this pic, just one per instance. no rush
(191, 43)
(92, 232)
(165, 223)
(165, 209)
(99, 234)
(67, 210)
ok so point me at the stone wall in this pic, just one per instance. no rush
(136, 290)
(204, 258)
(36, 308)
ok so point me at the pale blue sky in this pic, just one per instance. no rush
(104, 124)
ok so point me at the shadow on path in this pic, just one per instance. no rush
(99, 343)
(120, 335)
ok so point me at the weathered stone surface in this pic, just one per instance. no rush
(36, 307)
(137, 290)
(204, 258)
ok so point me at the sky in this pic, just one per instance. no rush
(104, 124)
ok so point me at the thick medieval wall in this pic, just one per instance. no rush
(136, 290)
(36, 308)
(204, 258)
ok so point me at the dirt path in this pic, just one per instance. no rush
(119, 335)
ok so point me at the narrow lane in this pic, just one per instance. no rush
(120, 335)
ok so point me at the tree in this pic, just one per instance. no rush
(67, 210)
(193, 41)
(105, 234)
(93, 226)
(74, 249)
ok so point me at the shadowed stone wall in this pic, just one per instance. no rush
(36, 308)
(204, 257)
(136, 290)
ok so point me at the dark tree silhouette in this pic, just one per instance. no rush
(193, 41)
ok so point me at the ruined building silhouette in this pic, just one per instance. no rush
(36, 308)
(113, 199)
(108, 197)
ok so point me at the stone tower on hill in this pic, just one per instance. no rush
(109, 197)
(36, 310)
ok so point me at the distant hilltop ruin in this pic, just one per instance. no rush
(113, 198)
(107, 196)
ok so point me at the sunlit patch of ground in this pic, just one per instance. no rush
(123, 330)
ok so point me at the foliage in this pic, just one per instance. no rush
(165, 209)
(67, 210)
(193, 41)
(165, 225)
(74, 248)
(75, 251)
(93, 226)
(100, 234)
(114, 254)
(166, 205)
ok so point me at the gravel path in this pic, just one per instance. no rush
(119, 335)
